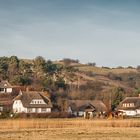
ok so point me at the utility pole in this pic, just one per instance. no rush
(78, 84)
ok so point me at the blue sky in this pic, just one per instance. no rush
(103, 31)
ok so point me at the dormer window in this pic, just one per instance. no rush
(32, 102)
(128, 105)
(131, 104)
(37, 102)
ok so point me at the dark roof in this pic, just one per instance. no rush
(135, 100)
(4, 84)
(78, 105)
(27, 97)
(6, 99)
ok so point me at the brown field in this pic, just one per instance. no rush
(69, 129)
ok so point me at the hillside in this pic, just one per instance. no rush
(118, 77)
(70, 78)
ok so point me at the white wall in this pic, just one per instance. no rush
(129, 112)
(6, 90)
(39, 110)
(48, 110)
(18, 107)
(9, 90)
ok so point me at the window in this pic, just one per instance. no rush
(29, 110)
(37, 102)
(1, 89)
(37, 110)
(128, 105)
(124, 105)
(43, 109)
(131, 104)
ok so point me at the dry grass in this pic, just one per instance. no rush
(105, 71)
(69, 129)
(65, 123)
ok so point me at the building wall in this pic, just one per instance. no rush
(9, 90)
(6, 90)
(39, 110)
(88, 115)
(138, 111)
(129, 112)
(18, 107)
(81, 113)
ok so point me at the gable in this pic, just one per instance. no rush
(130, 103)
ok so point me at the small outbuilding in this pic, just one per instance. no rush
(86, 108)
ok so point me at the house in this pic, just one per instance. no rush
(6, 102)
(31, 102)
(7, 94)
(86, 108)
(5, 87)
(130, 106)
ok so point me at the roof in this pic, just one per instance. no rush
(135, 100)
(4, 84)
(6, 99)
(27, 97)
(78, 105)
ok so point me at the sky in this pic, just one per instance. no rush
(103, 31)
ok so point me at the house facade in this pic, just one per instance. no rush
(7, 94)
(130, 106)
(86, 108)
(5, 87)
(31, 102)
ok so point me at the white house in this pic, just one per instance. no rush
(32, 102)
(130, 106)
(5, 87)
